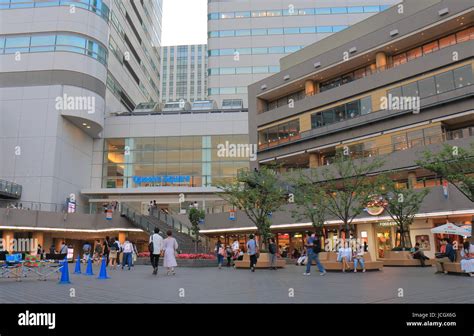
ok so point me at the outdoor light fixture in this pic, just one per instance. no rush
(352, 50)
(394, 32)
(443, 11)
(286, 77)
(317, 64)
(263, 87)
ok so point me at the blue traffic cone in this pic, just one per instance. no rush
(64, 273)
(78, 265)
(89, 267)
(103, 270)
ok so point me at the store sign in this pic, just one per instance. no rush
(386, 224)
(445, 189)
(162, 179)
(232, 215)
(376, 206)
(108, 214)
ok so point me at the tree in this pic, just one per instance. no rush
(402, 205)
(454, 164)
(195, 217)
(310, 200)
(258, 194)
(349, 187)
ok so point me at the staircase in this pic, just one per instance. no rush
(165, 222)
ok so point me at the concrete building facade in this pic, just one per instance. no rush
(246, 39)
(184, 73)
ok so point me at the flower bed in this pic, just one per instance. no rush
(194, 256)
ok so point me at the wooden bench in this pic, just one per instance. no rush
(453, 267)
(330, 263)
(262, 262)
(402, 258)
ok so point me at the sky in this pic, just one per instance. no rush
(184, 22)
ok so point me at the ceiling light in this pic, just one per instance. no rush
(88, 127)
(84, 124)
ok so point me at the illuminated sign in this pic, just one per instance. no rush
(161, 179)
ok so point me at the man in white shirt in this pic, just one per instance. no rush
(156, 246)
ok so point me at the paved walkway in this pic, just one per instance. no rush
(211, 285)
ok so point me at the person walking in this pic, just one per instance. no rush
(127, 254)
(252, 250)
(98, 251)
(272, 248)
(228, 254)
(170, 245)
(155, 247)
(39, 251)
(113, 254)
(106, 249)
(313, 247)
(219, 249)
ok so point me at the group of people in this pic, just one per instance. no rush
(112, 250)
(166, 248)
(230, 252)
(448, 254)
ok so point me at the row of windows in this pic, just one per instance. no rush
(153, 144)
(276, 31)
(290, 11)
(243, 70)
(459, 37)
(227, 90)
(119, 92)
(95, 6)
(443, 82)
(342, 112)
(168, 180)
(279, 134)
(10, 44)
(254, 51)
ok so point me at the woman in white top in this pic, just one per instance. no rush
(170, 245)
(345, 256)
(467, 258)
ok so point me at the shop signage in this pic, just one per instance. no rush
(162, 179)
(232, 215)
(108, 214)
(386, 224)
(376, 206)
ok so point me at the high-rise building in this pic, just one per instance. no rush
(64, 66)
(184, 73)
(246, 39)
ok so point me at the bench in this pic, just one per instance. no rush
(330, 263)
(262, 262)
(402, 258)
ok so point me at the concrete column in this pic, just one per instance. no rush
(316, 87)
(313, 160)
(38, 238)
(122, 236)
(8, 237)
(411, 179)
(381, 60)
(309, 87)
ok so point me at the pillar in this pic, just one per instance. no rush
(411, 179)
(8, 237)
(309, 87)
(313, 160)
(122, 236)
(38, 238)
(381, 60)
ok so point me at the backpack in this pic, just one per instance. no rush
(316, 246)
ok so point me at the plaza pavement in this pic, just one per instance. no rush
(211, 285)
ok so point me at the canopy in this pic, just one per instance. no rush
(453, 229)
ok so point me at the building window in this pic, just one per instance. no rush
(427, 87)
(444, 82)
(463, 76)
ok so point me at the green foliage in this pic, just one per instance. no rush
(349, 187)
(402, 205)
(455, 164)
(195, 216)
(258, 194)
(310, 199)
